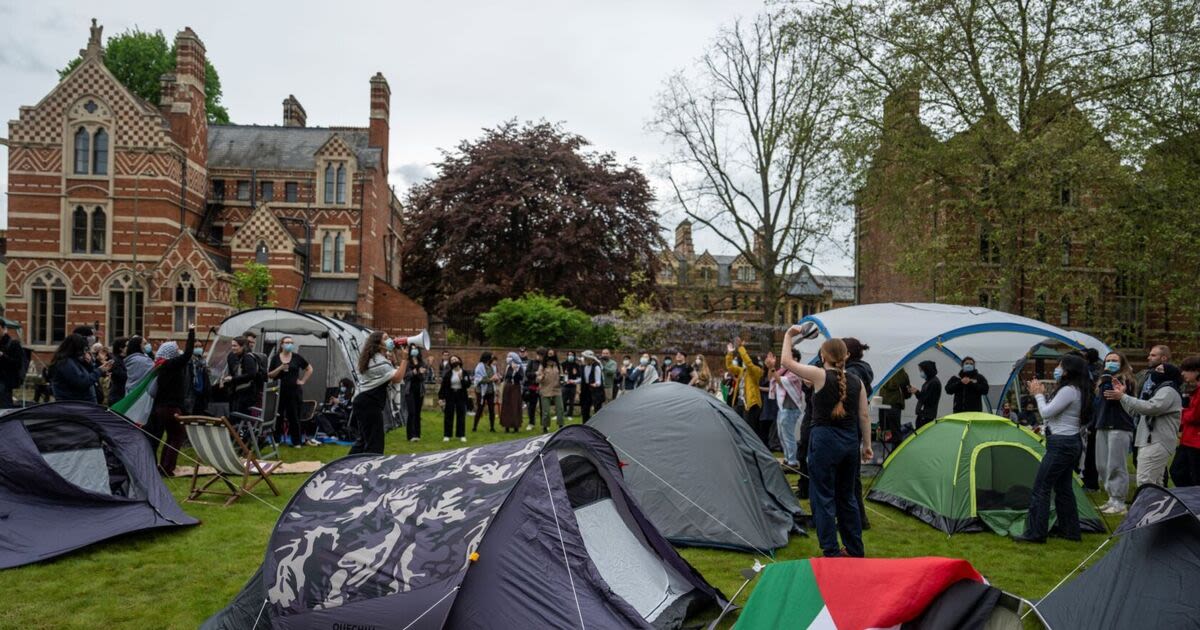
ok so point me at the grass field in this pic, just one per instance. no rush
(177, 578)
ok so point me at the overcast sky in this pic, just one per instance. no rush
(454, 67)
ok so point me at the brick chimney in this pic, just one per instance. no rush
(381, 105)
(902, 108)
(293, 112)
(683, 240)
(183, 96)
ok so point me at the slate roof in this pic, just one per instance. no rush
(724, 264)
(281, 148)
(331, 290)
(842, 287)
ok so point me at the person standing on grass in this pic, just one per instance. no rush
(241, 373)
(72, 373)
(571, 376)
(414, 393)
(747, 400)
(172, 384)
(591, 393)
(550, 388)
(1114, 433)
(118, 376)
(485, 390)
(12, 364)
(968, 387)
(930, 394)
(789, 393)
(893, 393)
(454, 391)
(510, 396)
(379, 368)
(292, 371)
(608, 367)
(531, 393)
(858, 366)
(631, 376)
(1072, 401)
(138, 362)
(1160, 409)
(702, 377)
(1185, 471)
(839, 440)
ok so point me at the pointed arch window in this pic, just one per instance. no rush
(99, 230)
(327, 253)
(329, 185)
(341, 183)
(79, 231)
(261, 253)
(47, 309)
(185, 302)
(339, 252)
(100, 152)
(82, 151)
(126, 306)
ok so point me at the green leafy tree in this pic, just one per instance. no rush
(536, 319)
(253, 286)
(139, 59)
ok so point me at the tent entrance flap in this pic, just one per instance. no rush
(1002, 485)
(79, 454)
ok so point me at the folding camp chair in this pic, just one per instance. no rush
(258, 432)
(218, 445)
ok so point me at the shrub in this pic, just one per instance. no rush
(540, 320)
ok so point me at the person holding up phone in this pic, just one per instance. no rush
(1114, 432)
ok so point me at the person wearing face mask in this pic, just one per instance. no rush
(454, 391)
(608, 368)
(1160, 410)
(197, 389)
(591, 393)
(1185, 471)
(485, 389)
(648, 369)
(293, 371)
(414, 392)
(680, 371)
(137, 362)
(1114, 432)
(241, 372)
(510, 397)
(747, 399)
(550, 386)
(701, 375)
(631, 376)
(571, 376)
(1062, 414)
(930, 394)
(380, 368)
(968, 387)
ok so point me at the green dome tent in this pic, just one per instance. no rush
(967, 471)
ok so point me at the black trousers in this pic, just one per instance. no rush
(531, 406)
(802, 457)
(1185, 470)
(751, 416)
(568, 394)
(591, 399)
(454, 415)
(289, 411)
(486, 401)
(413, 402)
(368, 418)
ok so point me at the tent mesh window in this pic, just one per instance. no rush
(584, 483)
(81, 455)
(1004, 478)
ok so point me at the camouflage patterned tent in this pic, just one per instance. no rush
(535, 533)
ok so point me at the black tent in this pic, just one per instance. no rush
(698, 470)
(1149, 579)
(533, 533)
(72, 474)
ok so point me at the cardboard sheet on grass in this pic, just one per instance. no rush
(273, 467)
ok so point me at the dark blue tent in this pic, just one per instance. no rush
(72, 474)
(533, 533)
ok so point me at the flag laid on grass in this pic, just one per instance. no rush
(139, 402)
(849, 593)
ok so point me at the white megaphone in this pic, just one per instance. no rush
(420, 340)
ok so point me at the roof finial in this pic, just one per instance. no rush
(93, 46)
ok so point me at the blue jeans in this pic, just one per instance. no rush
(832, 467)
(787, 434)
(1055, 474)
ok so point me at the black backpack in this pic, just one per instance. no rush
(260, 376)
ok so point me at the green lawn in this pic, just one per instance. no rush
(177, 578)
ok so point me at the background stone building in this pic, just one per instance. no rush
(722, 286)
(135, 216)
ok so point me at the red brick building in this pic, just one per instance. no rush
(136, 216)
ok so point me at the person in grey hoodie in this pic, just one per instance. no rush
(137, 362)
(1160, 408)
(929, 395)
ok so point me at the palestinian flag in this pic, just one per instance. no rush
(139, 402)
(850, 593)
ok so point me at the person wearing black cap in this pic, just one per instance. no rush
(968, 387)
(929, 395)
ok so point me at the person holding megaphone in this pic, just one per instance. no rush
(382, 363)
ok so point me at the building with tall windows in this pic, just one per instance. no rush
(723, 286)
(134, 217)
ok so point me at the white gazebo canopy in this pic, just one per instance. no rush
(901, 335)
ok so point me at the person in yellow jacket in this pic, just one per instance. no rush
(747, 398)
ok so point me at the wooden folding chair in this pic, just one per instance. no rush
(217, 444)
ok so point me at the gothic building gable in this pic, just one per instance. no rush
(262, 227)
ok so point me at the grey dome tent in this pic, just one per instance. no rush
(698, 470)
(1148, 580)
(533, 533)
(72, 474)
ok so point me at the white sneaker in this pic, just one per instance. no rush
(529, 427)
(1107, 505)
(445, 439)
(1115, 508)
(462, 439)
(414, 439)
(313, 442)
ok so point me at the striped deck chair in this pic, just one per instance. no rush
(218, 445)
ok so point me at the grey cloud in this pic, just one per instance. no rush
(407, 175)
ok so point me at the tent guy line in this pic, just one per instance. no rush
(431, 607)
(567, 563)
(1033, 606)
(260, 612)
(689, 500)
